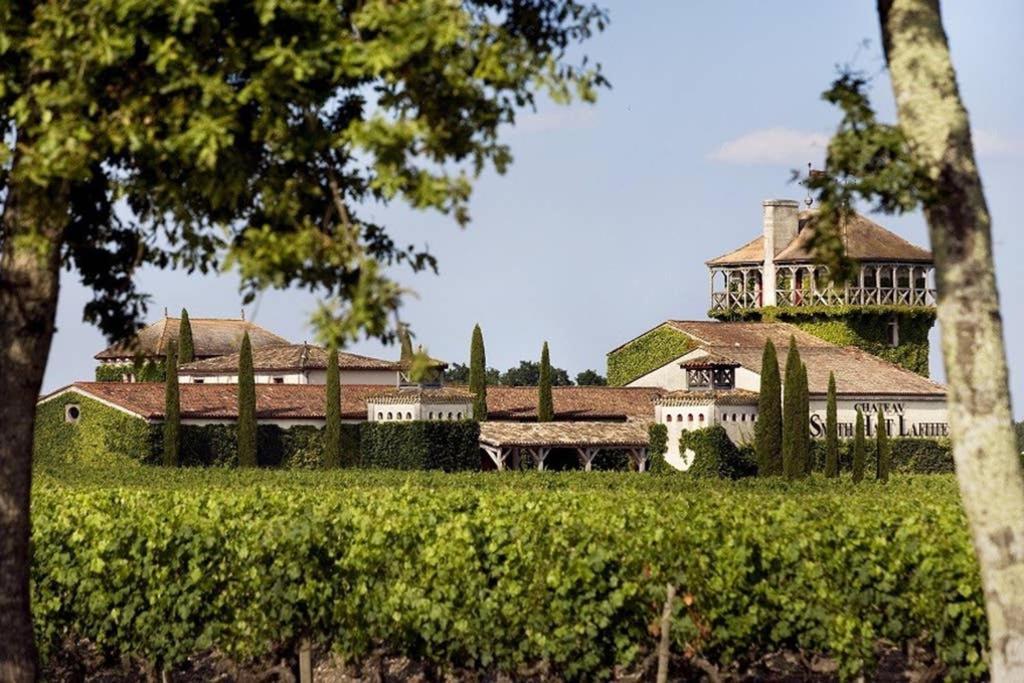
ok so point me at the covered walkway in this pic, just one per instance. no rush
(506, 442)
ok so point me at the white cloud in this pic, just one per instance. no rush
(773, 146)
(990, 143)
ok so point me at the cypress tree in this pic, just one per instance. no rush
(858, 448)
(805, 424)
(831, 431)
(478, 375)
(406, 341)
(332, 411)
(186, 349)
(791, 430)
(768, 429)
(172, 410)
(246, 406)
(545, 404)
(884, 449)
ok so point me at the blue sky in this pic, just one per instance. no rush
(601, 227)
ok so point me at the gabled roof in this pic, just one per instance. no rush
(210, 337)
(293, 357)
(863, 239)
(857, 372)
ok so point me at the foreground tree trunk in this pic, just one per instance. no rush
(934, 119)
(31, 226)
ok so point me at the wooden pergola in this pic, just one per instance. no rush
(507, 442)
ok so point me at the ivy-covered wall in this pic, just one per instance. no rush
(646, 354)
(148, 371)
(101, 436)
(865, 327)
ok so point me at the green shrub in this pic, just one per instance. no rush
(421, 445)
(502, 572)
(545, 404)
(715, 455)
(478, 374)
(907, 455)
(658, 447)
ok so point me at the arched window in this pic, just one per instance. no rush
(408, 416)
(679, 417)
(431, 415)
(689, 417)
(458, 416)
(449, 416)
(380, 416)
(700, 417)
(668, 418)
(391, 416)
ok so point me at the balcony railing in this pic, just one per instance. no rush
(740, 288)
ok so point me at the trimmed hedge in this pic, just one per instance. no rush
(647, 353)
(501, 573)
(421, 445)
(296, 447)
(907, 456)
(715, 455)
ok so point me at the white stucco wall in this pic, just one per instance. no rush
(905, 417)
(394, 412)
(669, 376)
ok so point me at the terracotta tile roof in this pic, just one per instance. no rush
(442, 395)
(711, 360)
(306, 401)
(863, 239)
(210, 337)
(573, 403)
(564, 434)
(857, 372)
(731, 397)
(293, 357)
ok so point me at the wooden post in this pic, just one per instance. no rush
(305, 662)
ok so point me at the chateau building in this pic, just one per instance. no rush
(871, 334)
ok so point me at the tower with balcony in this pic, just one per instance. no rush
(887, 309)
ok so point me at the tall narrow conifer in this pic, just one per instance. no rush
(768, 429)
(545, 404)
(186, 348)
(478, 375)
(805, 424)
(831, 431)
(406, 341)
(859, 448)
(172, 410)
(246, 406)
(332, 412)
(884, 449)
(791, 430)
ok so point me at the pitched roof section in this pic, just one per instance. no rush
(210, 337)
(573, 403)
(564, 434)
(863, 239)
(307, 401)
(293, 357)
(857, 372)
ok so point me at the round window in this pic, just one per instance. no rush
(71, 413)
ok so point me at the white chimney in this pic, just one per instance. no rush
(780, 220)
